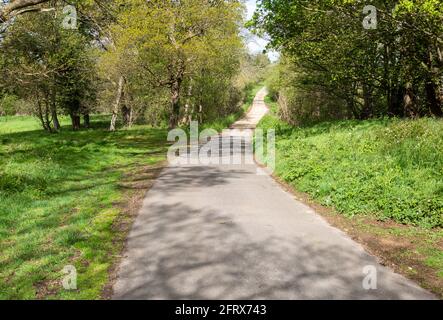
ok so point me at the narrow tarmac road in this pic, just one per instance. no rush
(225, 232)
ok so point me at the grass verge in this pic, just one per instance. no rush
(69, 199)
(381, 181)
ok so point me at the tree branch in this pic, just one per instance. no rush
(16, 7)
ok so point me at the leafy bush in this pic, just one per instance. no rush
(300, 100)
(8, 105)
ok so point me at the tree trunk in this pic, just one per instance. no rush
(200, 114)
(55, 120)
(439, 85)
(130, 110)
(40, 116)
(409, 101)
(75, 120)
(54, 112)
(368, 107)
(131, 117)
(12, 8)
(120, 93)
(46, 113)
(175, 102)
(395, 107)
(433, 94)
(432, 98)
(350, 103)
(86, 120)
(187, 119)
(127, 116)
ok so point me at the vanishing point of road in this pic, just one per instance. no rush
(226, 232)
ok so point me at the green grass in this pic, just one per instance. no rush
(223, 123)
(59, 196)
(386, 170)
(11, 124)
(392, 169)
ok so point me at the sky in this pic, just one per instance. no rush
(257, 44)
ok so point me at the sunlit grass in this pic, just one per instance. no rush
(389, 168)
(58, 195)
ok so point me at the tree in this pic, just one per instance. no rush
(392, 69)
(168, 40)
(53, 67)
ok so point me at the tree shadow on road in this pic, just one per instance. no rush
(177, 252)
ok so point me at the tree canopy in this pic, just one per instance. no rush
(391, 66)
(162, 62)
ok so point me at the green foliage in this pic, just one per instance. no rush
(300, 100)
(180, 60)
(8, 105)
(389, 168)
(394, 69)
(54, 67)
(59, 197)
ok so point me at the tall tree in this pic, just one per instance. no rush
(167, 38)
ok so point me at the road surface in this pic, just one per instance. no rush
(226, 232)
